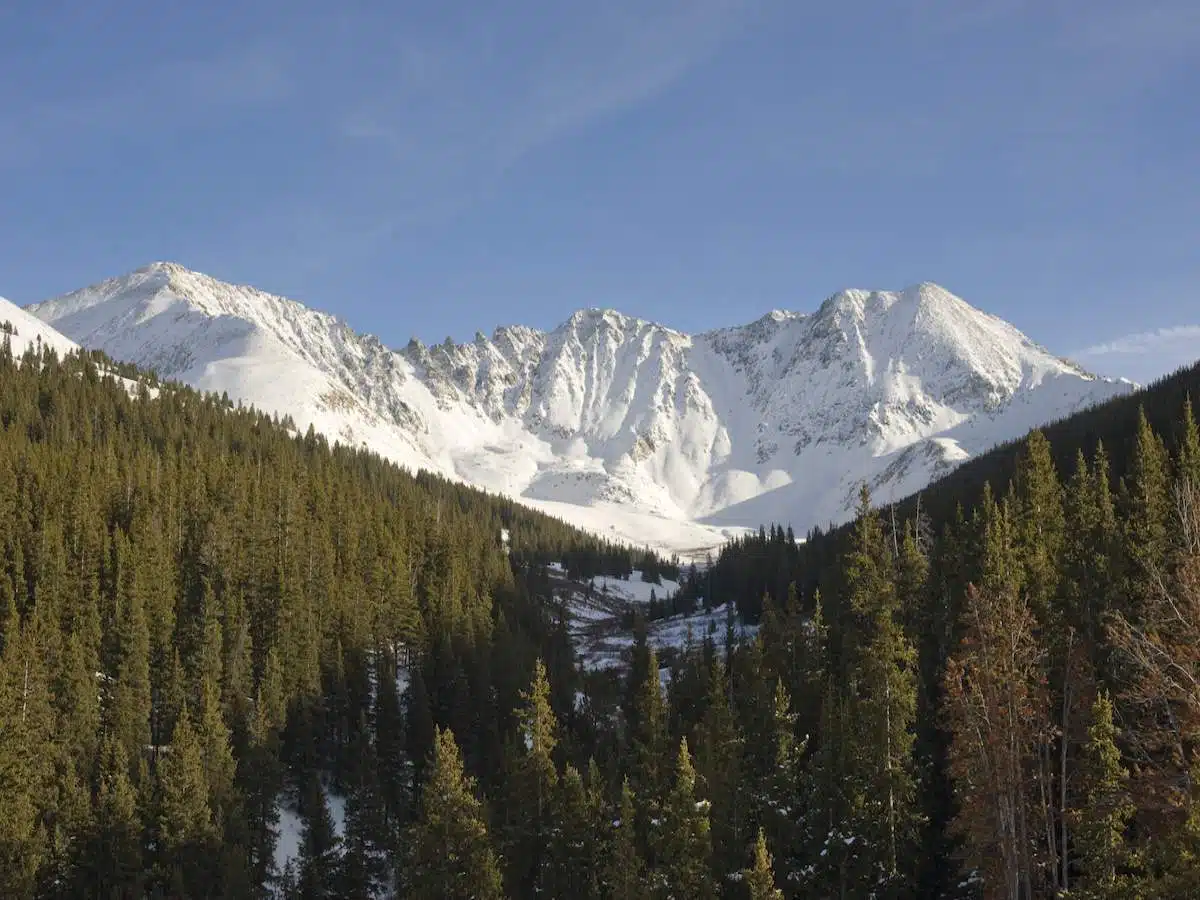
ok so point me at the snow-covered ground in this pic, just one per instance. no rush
(291, 827)
(625, 427)
(635, 589)
(673, 632)
(30, 331)
(690, 540)
(596, 616)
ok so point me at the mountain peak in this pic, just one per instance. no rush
(776, 419)
(860, 301)
(165, 267)
(597, 314)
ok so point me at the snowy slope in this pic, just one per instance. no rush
(622, 425)
(28, 330)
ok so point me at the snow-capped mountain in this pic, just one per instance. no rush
(616, 423)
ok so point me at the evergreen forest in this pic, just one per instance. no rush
(220, 637)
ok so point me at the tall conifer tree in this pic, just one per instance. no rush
(452, 855)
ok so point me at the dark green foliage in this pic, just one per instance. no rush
(452, 855)
(530, 788)
(112, 864)
(684, 852)
(319, 865)
(571, 868)
(719, 752)
(1105, 812)
(623, 874)
(760, 878)
(185, 836)
(171, 553)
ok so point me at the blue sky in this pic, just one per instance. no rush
(437, 169)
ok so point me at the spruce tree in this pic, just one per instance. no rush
(364, 869)
(27, 729)
(648, 745)
(131, 703)
(624, 870)
(881, 816)
(320, 847)
(420, 731)
(113, 865)
(1040, 525)
(452, 855)
(1146, 516)
(760, 878)
(1101, 823)
(719, 773)
(220, 767)
(532, 785)
(573, 857)
(684, 858)
(781, 798)
(185, 836)
(1188, 462)
(260, 778)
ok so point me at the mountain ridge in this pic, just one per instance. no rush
(619, 423)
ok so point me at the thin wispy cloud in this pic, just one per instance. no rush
(1144, 356)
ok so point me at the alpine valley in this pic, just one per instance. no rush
(622, 426)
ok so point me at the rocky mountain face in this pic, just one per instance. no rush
(619, 424)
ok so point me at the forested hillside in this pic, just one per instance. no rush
(768, 562)
(212, 629)
(201, 613)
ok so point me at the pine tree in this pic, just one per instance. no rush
(1146, 515)
(1101, 823)
(624, 871)
(719, 771)
(320, 846)
(684, 868)
(220, 768)
(131, 704)
(364, 866)
(185, 829)
(1188, 464)
(78, 695)
(572, 865)
(260, 777)
(781, 797)
(394, 770)
(1040, 525)
(113, 866)
(420, 730)
(452, 856)
(760, 878)
(532, 785)
(880, 770)
(648, 743)
(26, 730)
